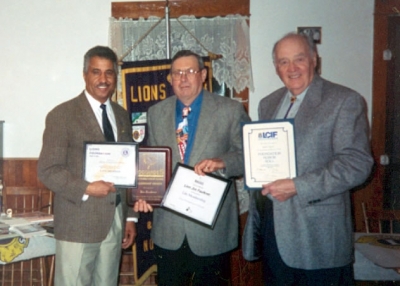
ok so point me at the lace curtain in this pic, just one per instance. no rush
(227, 36)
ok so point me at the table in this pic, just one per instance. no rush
(32, 252)
(19, 249)
(375, 263)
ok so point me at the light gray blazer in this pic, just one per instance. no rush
(60, 168)
(218, 135)
(314, 228)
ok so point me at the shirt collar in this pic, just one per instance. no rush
(195, 104)
(95, 103)
(299, 97)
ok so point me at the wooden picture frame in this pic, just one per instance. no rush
(314, 33)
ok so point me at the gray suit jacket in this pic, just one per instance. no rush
(60, 168)
(218, 135)
(314, 228)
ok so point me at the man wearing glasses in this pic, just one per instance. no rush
(203, 130)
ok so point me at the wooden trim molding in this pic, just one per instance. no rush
(198, 8)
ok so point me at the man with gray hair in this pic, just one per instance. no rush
(304, 223)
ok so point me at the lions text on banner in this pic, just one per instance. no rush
(145, 83)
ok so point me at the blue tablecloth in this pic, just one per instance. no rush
(19, 248)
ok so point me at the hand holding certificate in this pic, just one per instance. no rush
(269, 152)
(111, 162)
(197, 197)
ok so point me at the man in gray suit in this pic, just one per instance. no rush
(89, 217)
(306, 225)
(188, 252)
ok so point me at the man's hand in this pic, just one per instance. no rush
(130, 234)
(281, 190)
(208, 166)
(100, 189)
(142, 206)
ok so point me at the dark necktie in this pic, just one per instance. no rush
(107, 129)
(109, 135)
(292, 100)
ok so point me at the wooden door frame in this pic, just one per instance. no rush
(372, 193)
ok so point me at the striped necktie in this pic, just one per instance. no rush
(182, 132)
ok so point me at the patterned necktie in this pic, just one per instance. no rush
(107, 129)
(182, 133)
(292, 100)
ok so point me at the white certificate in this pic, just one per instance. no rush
(196, 197)
(111, 162)
(269, 152)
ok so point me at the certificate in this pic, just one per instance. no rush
(196, 197)
(111, 162)
(154, 173)
(269, 152)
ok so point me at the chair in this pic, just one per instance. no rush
(141, 253)
(148, 278)
(379, 221)
(21, 200)
(375, 220)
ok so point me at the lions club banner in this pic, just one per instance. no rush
(145, 83)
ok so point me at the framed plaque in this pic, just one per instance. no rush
(269, 152)
(154, 173)
(196, 197)
(114, 162)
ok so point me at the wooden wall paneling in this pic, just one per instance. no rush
(11, 172)
(21, 172)
(29, 175)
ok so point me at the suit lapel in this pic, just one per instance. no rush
(276, 103)
(87, 119)
(122, 134)
(310, 104)
(167, 122)
(205, 126)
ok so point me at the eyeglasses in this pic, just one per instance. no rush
(190, 73)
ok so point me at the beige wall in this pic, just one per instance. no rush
(42, 47)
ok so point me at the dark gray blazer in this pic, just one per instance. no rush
(314, 228)
(60, 168)
(218, 135)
